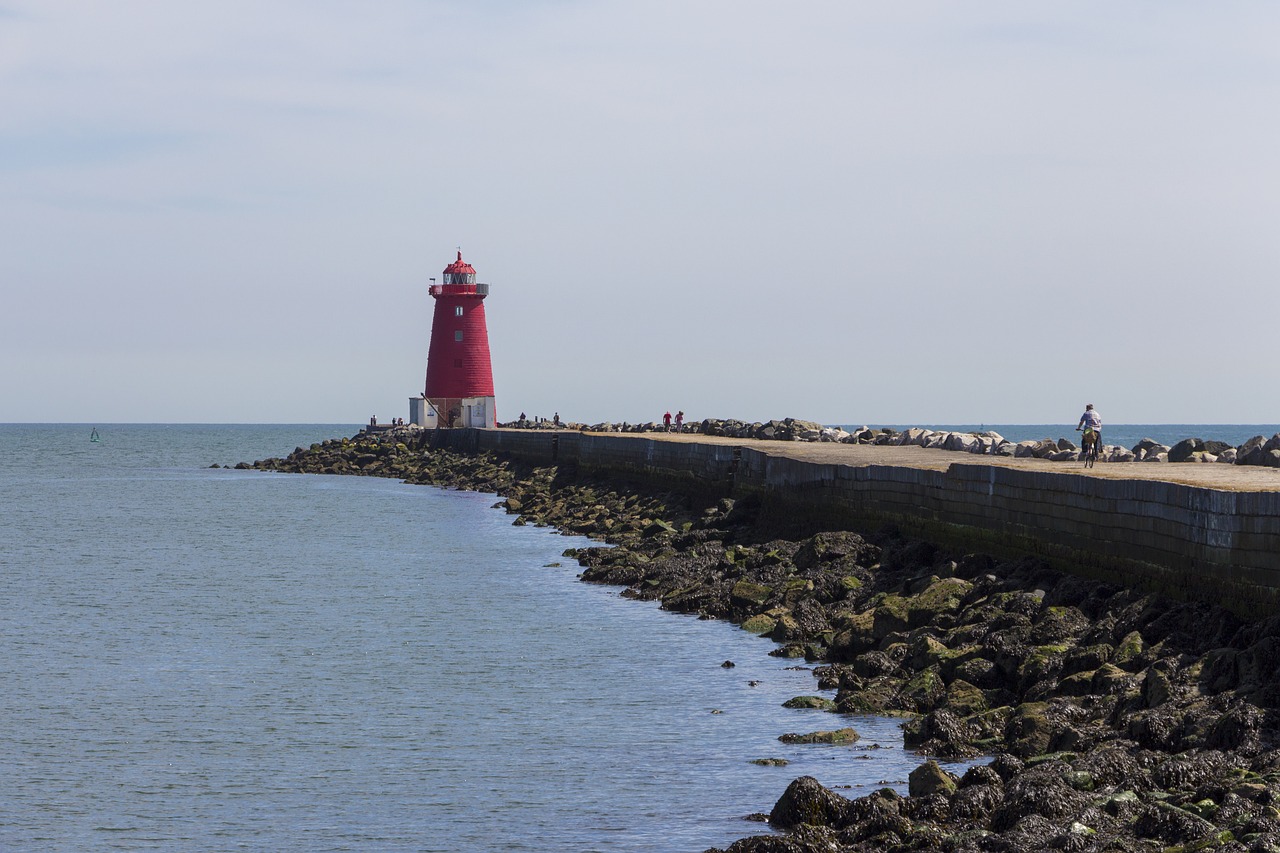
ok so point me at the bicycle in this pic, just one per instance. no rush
(1089, 449)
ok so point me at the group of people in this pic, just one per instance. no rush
(537, 420)
(666, 421)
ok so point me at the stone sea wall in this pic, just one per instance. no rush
(1186, 541)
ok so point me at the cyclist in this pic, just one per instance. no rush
(1091, 425)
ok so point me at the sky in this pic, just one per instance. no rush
(849, 212)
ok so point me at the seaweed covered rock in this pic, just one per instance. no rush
(807, 801)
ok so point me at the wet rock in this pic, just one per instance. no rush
(807, 801)
(1029, 730)
(942, 733)
(819, 703)
(836, 737)
(930, 778)
(1041, 791)
(803, 838)
(1169, 823)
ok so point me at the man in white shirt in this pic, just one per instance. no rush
(1091, 420)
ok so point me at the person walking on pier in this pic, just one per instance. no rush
(666, 421)
(680, 421)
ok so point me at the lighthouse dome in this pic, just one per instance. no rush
(459, 267)
(459, 272)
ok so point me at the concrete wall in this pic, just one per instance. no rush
(1186, 541)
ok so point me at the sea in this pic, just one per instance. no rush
(197, 658)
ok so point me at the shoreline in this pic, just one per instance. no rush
(1117, 719)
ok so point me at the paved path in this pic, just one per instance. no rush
(1238, 478)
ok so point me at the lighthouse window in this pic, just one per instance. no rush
(457, 336)
(457, 310)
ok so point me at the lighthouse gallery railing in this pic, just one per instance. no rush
(481, 289)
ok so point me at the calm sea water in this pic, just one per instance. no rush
(205, 659)
(1124, 435)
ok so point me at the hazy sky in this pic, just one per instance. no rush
(845, 211)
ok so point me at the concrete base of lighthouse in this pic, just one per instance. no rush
(446, 412)
(422, 413)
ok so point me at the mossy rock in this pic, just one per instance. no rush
(925, 690)
(953, 661)
(1080, 684)
(943, 596)
(965, 699)
(1088, 658)
(1081, 780)
(1028, 732)
(927, 651)
(1110, 679)
(930, 778)
(850, 582)
(1204, 808)
(786, 629)
(1051, 756)
(818, 703)
(891, 616)
(837, 737)
(759, 624)
(796, 589)
(745, 592)
(877, 697)
(770, 762)
(1129, 649)
(1042, 661)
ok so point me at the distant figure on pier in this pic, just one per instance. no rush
(666, 421)
(556, 420)
(680, 421)
(1091, 420)
(373, 420)
(522, 419)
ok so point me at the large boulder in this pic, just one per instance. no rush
(1250, 453)
(807, 801)
(961, 441)
(930, 778)
(1141, 448)
(1183, 450)
(914, 436)
(937, 439)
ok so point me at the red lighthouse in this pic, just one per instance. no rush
(459, 388)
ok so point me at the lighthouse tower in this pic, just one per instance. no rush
(459, 388)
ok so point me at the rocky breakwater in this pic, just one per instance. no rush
(1117, 721)
(1258, 450)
